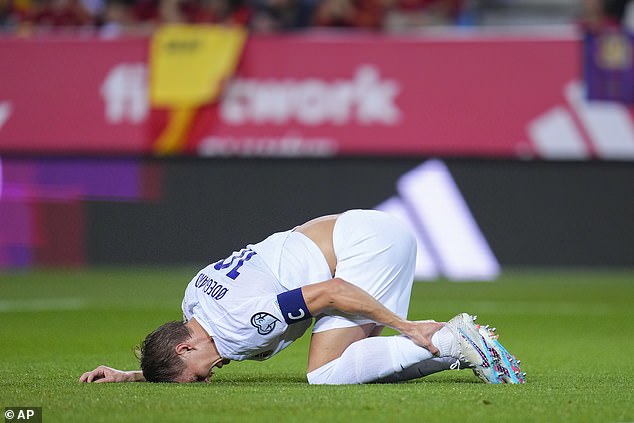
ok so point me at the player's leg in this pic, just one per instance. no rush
(377, 253)
(329, 345)
(376, 359)
(396, 358)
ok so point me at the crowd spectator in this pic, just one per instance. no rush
(6, 13)
(408, 14)
(601, 14)
(280, 15)
(143, 16)
(59, 14)
(621, 12)
(117, 16)
(350, 13)
(12, 12)
(392, 15)
(615, 10)
(112, 17)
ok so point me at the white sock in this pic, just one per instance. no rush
(377, 358)
(446, 342)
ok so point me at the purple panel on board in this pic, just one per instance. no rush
(16, 223)
(95, 179)
(19, 256)
(18, 171)
(16, 230)
(28, 183)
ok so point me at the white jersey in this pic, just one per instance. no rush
(236, 301)
(251, 303)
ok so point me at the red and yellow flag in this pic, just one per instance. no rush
(188, 65)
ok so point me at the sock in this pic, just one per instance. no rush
(446, 342)
(377, 358)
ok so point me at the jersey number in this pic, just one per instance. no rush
(236, 261)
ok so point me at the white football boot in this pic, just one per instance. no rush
(473, 348)
(505, 364)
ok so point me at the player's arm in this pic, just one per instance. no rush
(103, 374)
(337, 294)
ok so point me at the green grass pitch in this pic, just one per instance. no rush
(573, 332)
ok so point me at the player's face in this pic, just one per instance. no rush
(201, 361)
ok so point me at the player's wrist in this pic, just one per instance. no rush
(403, 326)
(134, 376)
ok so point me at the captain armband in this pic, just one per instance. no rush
(293, 306)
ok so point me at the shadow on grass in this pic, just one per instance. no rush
(263, 379)
(290, 380)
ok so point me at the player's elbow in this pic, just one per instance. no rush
(326, 296)
(337, 289)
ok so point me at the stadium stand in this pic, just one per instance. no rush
(111, 17)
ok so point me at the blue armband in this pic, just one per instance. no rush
(293, 306)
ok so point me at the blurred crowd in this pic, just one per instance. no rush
(258, 15)
(599, 14)
(112, 17)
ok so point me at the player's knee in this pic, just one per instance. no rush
(314, 379)
(318, 379)
(323, 375)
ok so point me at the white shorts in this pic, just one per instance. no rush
(377, 253)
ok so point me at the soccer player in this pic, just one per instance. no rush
(353, 274)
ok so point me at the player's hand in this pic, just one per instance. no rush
(421, 332)
(104, 374)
